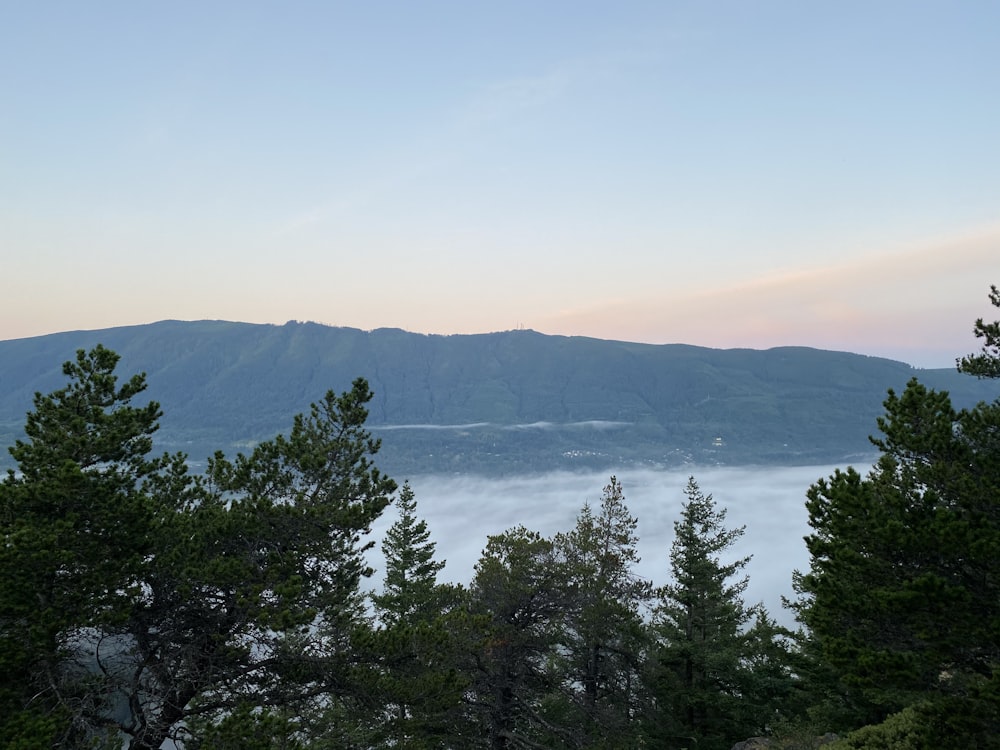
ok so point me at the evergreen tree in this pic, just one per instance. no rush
(903, 592)
(416, 647)
(139, 601)
(704, 685)
(75, 529)
(410, 587)
(516, 601)
(901, 598)
(771, 687)
(255, 598)
(986, 364)
(602, 634)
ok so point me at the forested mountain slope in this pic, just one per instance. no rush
(496, 403)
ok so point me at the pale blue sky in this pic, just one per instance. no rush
(716, 173)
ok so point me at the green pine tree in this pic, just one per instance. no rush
(900, 602)
(255, 598)
(603, 640)
(76, 529)
(410, 590)
(902, 596)
(417, 647)
(140, 602)
(702, 678)
(515, 603)
(986, 364)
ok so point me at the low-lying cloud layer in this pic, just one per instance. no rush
(462, 511)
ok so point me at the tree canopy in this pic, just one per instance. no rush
(986, 364)
(720, 667)
(137, 600)
(901, 600)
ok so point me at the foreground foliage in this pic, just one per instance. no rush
(140, 600)
(722, 668)
(902, 598)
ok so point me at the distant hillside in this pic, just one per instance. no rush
(497, 403)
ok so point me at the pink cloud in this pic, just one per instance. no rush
(920, 300)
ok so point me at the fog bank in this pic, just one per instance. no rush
(461, 511)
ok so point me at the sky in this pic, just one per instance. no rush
(727, 174)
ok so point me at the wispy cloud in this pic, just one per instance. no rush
(891, 301)
(504, 100)
(448, 137)
(590, 424)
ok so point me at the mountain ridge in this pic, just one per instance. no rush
(225, 385)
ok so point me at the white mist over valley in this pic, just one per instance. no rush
(462, 510)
